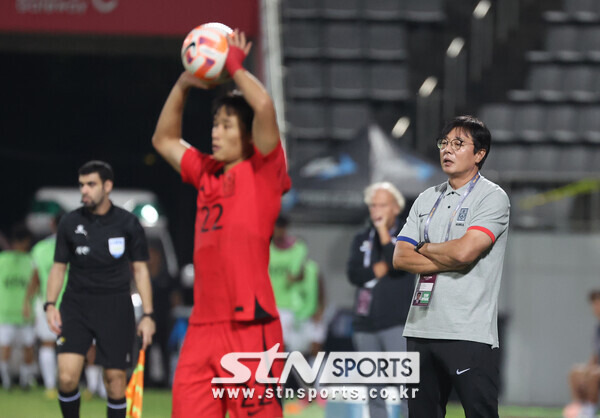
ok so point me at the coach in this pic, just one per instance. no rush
(455, 239)
(98, 241)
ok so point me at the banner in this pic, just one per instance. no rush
(125, 17)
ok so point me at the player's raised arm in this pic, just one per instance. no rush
(265, 132)
(167, 135)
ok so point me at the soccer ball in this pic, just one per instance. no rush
(204, 51)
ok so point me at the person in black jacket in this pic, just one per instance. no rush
(383, 295)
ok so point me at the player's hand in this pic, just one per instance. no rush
(380, 269)
(54, 319)
(381, 223)
(146, 330)
(238, 50)
(187, 80)
(238, 39)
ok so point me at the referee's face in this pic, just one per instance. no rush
(93, 190)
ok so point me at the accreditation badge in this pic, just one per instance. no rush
(424, 290)
(363, 302)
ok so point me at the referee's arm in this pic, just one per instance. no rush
(55, 284)
(146, 327)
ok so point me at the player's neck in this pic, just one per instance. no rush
(229, 165)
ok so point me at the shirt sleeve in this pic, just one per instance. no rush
(192, 164)
(138, 246)
(61, 251)
(410, 231)
(274, 165)
(491, 216)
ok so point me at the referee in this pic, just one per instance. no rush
(98, 241)
(455, 239)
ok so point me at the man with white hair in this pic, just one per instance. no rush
(383, 294)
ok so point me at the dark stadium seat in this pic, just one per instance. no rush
(424, 10)
(304, 79)
(588, 124)
(348, 118)
(347, 80)
(499, 120)
(302, 39)
(562, 44)
(343, 40)
(384, 9)
(579, 84)
(388, 81)
(307, 119)
(529, 123)
(543, 83)
(560, 124)
(386, 41)
(341, 9)
(301, 8)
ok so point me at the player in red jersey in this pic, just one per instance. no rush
(239, 197)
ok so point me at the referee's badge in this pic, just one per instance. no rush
(116, 246)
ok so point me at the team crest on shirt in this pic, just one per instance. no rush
(229, 185)
(116, 246)
(462, 216)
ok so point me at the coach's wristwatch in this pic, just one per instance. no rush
(419, 246)
(48, 304)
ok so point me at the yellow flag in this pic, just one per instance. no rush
(135, 389)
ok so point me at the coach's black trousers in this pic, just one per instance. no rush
(470, 367)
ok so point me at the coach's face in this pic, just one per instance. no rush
(227, 143)
(462, 161)
(93, 190)
(383, 208)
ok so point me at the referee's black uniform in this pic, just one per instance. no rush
(97, 302)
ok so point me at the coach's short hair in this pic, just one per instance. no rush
(389, 187)
(103, 169)
(482, 138)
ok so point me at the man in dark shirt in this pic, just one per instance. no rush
(98, 241)
(383, 294)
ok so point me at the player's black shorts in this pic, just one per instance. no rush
(107, 318)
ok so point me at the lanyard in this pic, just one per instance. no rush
(368, 249)
(472, 184)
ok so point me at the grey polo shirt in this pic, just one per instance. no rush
(464, 305)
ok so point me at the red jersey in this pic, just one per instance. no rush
(234, 224)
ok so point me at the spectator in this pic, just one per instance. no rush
(584, 379)
(383, 294)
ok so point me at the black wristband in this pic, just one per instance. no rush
(48, 304)
(149, 315)
(419, 246)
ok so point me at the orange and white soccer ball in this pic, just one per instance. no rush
(204, 51)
